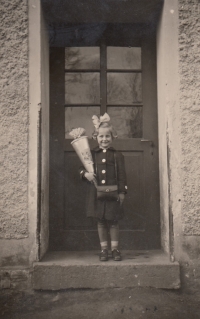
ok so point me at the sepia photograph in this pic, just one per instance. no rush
(100, 159)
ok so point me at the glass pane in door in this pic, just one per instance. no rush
(82, 58)
(124, 88)
(80, 117)
(127, 121)
(124, 58)
(82, 88)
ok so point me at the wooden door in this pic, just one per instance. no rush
(118, 77)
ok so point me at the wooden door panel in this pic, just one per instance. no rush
(69, 227)
(78, 240)
(134, 218)
(75, 195)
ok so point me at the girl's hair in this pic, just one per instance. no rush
(104, 125)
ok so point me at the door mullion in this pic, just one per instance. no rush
(103, 78)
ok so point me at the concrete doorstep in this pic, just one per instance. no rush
(63, 270)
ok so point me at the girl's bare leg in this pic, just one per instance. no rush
(114, 234)
(103, 233)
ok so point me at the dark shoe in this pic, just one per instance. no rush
(116, 255)
(103, 255)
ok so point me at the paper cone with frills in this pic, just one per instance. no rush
(82, 148)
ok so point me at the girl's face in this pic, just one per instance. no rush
(104, 138)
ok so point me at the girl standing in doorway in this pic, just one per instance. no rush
(106, 202)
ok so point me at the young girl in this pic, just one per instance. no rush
(109, 170)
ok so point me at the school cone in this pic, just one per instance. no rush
(82, 149)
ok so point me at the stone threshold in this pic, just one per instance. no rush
(82, 269)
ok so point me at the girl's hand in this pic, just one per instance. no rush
(121, 198)
(90, 177)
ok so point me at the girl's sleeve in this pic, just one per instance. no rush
(121, 173)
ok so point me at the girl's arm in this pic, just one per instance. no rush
(85, 175)
(82, 172)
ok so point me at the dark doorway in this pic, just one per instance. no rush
(104, 68)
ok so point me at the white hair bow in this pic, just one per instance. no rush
(97, 121)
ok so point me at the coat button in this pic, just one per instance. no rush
(103, 181)
(103, 171)
(104, 151)
(103, 160)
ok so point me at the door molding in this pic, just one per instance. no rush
(164, 180)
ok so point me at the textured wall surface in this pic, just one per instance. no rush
(189, 67)
(13, 118)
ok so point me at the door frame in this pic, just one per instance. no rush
(165, 164)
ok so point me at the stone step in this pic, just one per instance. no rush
(62, 270)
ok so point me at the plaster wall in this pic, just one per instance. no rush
(188, 251)
(179, 133)
(189, 45)
(21, 100)
(14, 119)
(15, 235)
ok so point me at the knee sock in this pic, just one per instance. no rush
(103, 234)
(114, 235)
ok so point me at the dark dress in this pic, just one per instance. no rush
(104, 161)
